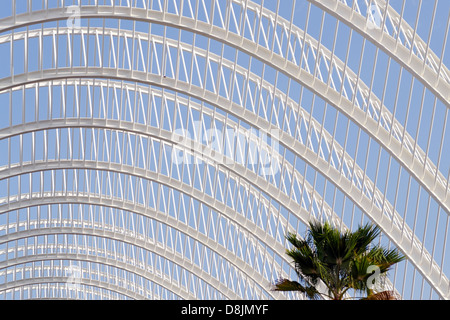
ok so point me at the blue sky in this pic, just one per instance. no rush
(397, 95)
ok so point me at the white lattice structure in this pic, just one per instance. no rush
(161, 149)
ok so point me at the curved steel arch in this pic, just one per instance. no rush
(416, 163)
(142, 130)
(98, 165)
(397, 149)
(412, 62)
(235, 168)
(412, 248)
(135, 128)
(182, 263)
(387, 225)
(54, 281)
(138, 241)
(165, 219)
(64, 280)
(82, 198)
(409, 162)
(230, 107)
(105, 261)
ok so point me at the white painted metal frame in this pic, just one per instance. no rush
(119, 67)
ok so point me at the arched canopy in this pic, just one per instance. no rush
(285, 123)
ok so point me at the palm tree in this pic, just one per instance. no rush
(340, 260)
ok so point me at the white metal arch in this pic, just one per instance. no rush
(181, 262)
(109, 232)
(406, 141)
(436, 187)
(437, 273)
(424, 68)
(82, 198)
(314, 158)
(237, 169)
(105, 261)
(245, 114)
(64, 280)
(23, 168)
(279, 63)
(14, 269)
(422, 63)
(411, 248)
(60, 164)
(250, 176)
(163, 218)
(141, 128)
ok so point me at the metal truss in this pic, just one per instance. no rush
(166, 147)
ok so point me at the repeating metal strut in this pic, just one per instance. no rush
(162, 149)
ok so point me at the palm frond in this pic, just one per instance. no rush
(340, 260)
(363, 236)
(288, 285)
